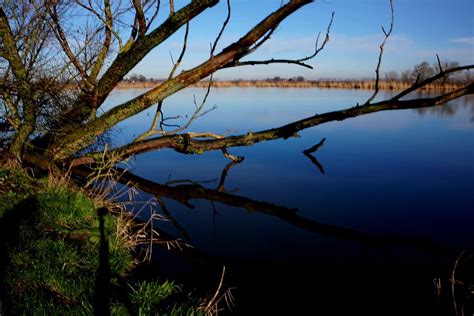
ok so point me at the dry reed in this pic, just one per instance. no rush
(329, 84)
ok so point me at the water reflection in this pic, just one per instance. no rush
(258, 278)
(451, 108)
(309, 153)
(338, 218)
(187, 192)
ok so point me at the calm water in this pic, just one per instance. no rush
(391, 212)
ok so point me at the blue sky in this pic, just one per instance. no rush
(423, 28)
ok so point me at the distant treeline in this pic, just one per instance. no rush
(390, 81)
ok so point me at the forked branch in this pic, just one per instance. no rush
(299, 62)
(379, 62)
(75, 141)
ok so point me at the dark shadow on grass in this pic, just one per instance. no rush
(21, 213)
(102, 282)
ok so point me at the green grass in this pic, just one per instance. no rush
(61, 257)
(15, 186)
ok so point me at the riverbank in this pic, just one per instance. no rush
(65, 252)
(326, 84)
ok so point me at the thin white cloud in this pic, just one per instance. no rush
(464, 40)
(338, 43)
(463, 55)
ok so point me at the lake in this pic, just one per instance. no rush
(367, 224)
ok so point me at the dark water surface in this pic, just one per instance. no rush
(391, 212)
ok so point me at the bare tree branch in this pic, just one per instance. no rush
(18, 68)
(439, 64)
(181, 55)
(155, 14)
(377, 69)
(128, 59)
(299, 62)
(419, 84)
(108, 21)
(152, 131)
(100, 60)
(69, 144)
(226, 21)
(171, 7)
(61, 37)
(140, 17)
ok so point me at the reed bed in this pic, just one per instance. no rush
(328, 84)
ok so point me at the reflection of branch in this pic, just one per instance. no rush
(315, 162)
(224, 173)
(185, 193)
(313, 159)
(170, 217)
(315, 147)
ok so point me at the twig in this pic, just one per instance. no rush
(171, 7)
(181, 55)
(226, 21)
(453, 278)
(173, 220)
(299, 62)
(197, 113)
(439, 64)
(232, 157)
(377, 70)
(211, 308)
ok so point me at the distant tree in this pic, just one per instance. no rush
(277, 78)
(468, 78)
(447, 65)
(299, 79)
(422, 71)
(405, 76)
(392, 76)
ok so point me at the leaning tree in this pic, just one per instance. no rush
(60, 60)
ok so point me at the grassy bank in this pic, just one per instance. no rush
(63, 253)
(327, 84)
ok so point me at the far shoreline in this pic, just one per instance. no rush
(326, 84)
